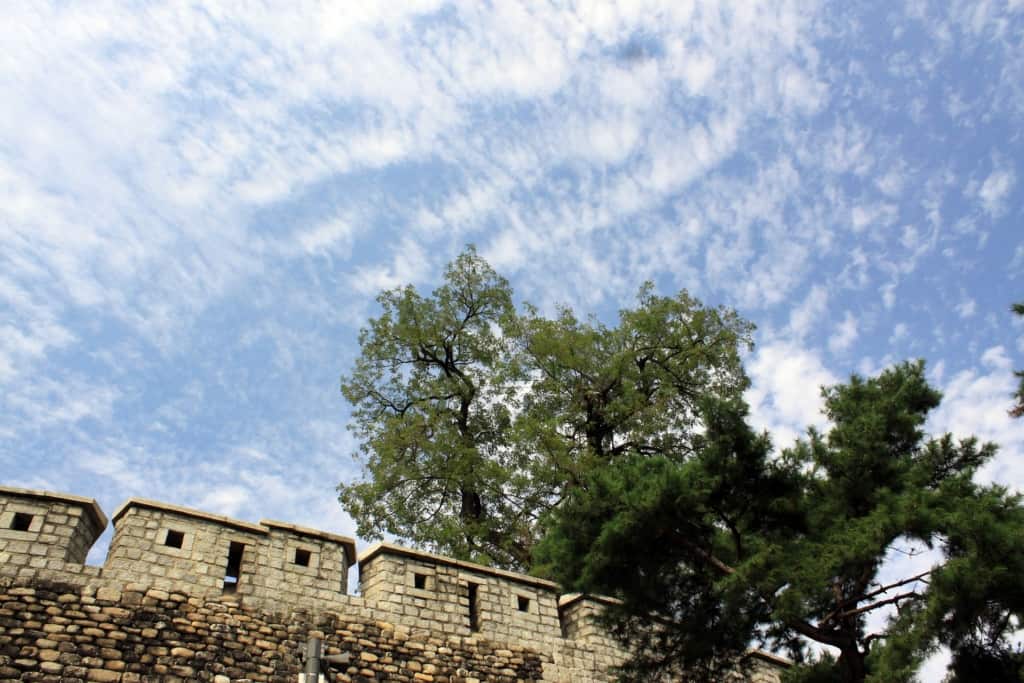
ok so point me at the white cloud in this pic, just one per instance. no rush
(966, 308)
(409, 264)
(47, 403)
(845, 148)
(785, 396)
(116, 468)
(464, 210)
(1017, 262)
(891, 184)
(910, 237)
(18, 347)
(975, 402)
(877, 215)
(800, 91)
(229, 500)
(329, 236)
(611, 141)
(846, 333)
(810, 313)
(996, 188)
(697, 70)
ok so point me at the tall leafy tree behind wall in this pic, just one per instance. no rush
(475, 419)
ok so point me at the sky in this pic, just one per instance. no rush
(201, 202)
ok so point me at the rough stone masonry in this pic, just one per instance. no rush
(189, 596)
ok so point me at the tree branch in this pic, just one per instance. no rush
(880, 603)
(837, 613)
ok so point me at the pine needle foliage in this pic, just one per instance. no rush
(735, 545)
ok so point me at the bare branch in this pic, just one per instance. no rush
(839, 614)
(881, 603)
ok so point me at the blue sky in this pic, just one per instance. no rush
(200, 204)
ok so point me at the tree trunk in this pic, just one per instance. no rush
(851, 664)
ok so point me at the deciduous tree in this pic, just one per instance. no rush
(434, 394)
(475, 419)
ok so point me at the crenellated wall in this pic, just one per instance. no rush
(460, 598)
(37, 527)
(169, 546)
(186, 595)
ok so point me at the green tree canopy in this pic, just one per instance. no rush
(733, 546)
(474, 418)
(434, 393)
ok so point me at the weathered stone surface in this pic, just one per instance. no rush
(108, 593)
(159, 609)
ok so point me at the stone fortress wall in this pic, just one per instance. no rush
(186, 595)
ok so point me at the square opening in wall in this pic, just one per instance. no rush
(175, 539)
(21, 521)
(419, 581)
(233, 571)
(302, 557)
(523, 603)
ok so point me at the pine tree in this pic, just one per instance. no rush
(736, 546)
